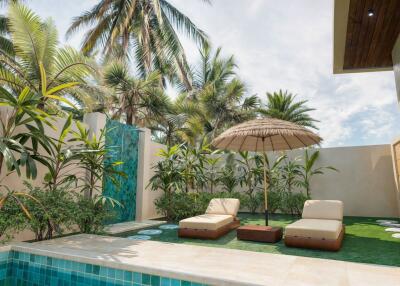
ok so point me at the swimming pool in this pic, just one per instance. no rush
(20, 268)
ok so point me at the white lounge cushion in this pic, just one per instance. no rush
(223, 206)
(323, 209)
(206, 221)
(315, 228)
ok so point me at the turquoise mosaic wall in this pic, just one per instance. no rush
(122, 140)
(34, 270)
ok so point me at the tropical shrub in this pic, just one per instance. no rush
(308, 170)
(250, 176)
(228, 176)
(91, 214)
(292, 203)
(168, 177)
(53, 214)
(12, 220)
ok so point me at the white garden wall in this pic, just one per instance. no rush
(365, 181)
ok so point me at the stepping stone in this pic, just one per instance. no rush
(139, 237)
(392, 224)
(168, 226)
(393, 229)
(386, 221)
(396, 235)
(150, 232)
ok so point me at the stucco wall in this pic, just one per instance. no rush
(16, 183)
(365, 181)
(145, 197)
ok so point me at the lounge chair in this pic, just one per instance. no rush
(219, 219)
(321, 226)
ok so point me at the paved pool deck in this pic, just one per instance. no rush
(214, 266)
(123, 227)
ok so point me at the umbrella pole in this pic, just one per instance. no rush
(266, 186)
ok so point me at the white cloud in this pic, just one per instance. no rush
(288, 45)
(282, 44)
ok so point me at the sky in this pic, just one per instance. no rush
(285, 45)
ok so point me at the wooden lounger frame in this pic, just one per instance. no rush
(315, 243)
(208, 234)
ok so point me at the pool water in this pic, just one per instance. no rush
(20, 268)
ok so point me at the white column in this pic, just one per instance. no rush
(143, 172)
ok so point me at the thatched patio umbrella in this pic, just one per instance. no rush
(262, 135)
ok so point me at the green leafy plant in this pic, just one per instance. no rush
(227, 177)
(92, 213)
(168, 176)
(12, 219)
(290, 173)
(212, 170)
(91, 153)
(292, 203)
(309, 170)
(250, 174)
(54, 214)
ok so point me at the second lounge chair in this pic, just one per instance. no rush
(321, 226)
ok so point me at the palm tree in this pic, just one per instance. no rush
(179, 122)
(140, 100)
(148, 28)
(282, 105)
(5, 43)
(219, 94)
(26, 44)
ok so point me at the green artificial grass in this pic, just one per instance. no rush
(365, 241)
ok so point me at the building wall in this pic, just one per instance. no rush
(396, 66)
(365, 181)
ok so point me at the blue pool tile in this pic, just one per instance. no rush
(119, 274)
(165, 281)
(111, 273)
(96, 269)
(49, 261)
(155, 280)
(137, 277)
(128, 276)
(175, 282)
(103, 271)
(82, 267)
(145, 279)
(89, 268)
(29, 269)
